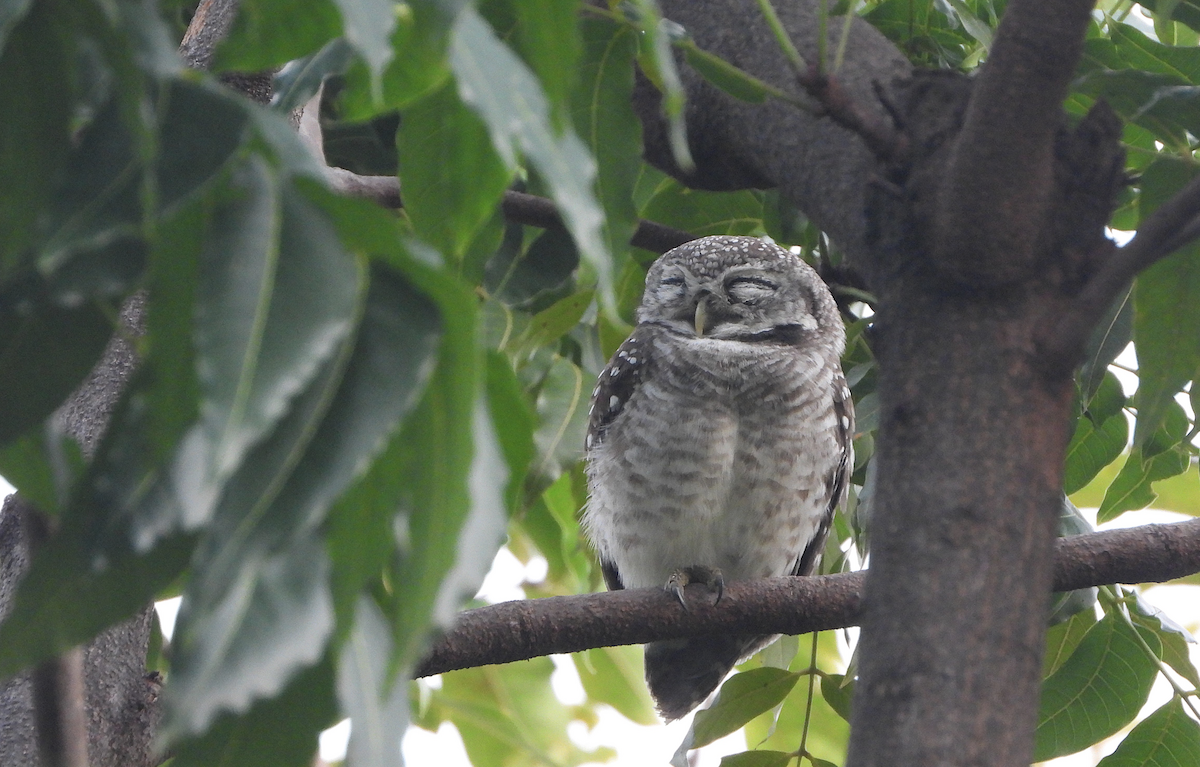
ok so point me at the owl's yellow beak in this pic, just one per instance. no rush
(701, 318)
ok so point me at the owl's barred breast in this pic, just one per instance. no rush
(720, 459)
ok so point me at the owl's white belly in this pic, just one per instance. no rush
(699, 484)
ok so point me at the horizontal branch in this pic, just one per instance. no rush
(1172, 225)
(518, 207)
(524, 629)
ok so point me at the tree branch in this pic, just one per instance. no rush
(997, 189)
(1174, 224)
(524, 629)
(518, 207)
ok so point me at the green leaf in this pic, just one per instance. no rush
(509, 715)
(45, 352)
(1094, 446)
(418, 67)
(743, 697)
(602, 105)
(1166, 324)
(448, 469)
(729, 78)
(1063, 638)
(658, 63)
(551, 324)
(547, 36)
(281, 732)
(704, 213)
(301, 78)
(69, 595)
(1175, 638)
(277, 294)
(451, 176)
(499, 87)
(1097, 691)
(35, 88)
(375, 701)
(1185, 11)
(615, 675)
(1166, 738)
(11, 14)
(368, 26)
(757, 759)
(199, 130)
(1141, 52)
(267, 34)
(514, 424)
(255, 554)
(838, 691)
(562, 405)
(1112, 334)
(1132, 487)
(43, 466)
(527, 279)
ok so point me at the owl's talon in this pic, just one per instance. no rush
(709, 576)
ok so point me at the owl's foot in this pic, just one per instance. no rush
(709, 576)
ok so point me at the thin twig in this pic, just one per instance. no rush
(1174, 224)
(524, 629)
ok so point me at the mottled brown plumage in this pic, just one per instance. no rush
(719, 438)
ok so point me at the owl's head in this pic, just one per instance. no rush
(739, 289)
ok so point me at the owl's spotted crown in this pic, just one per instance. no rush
(710, 257)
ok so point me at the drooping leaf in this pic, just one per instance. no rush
(704, 213)
(1063, 638)
(603, 114)
(743, 697)
(367, 26)
(43, 466)
(657, 61)
(418, 67)
(562, 406)
(500, 88)
(1166, 738)
(837, 691)
(390, 362)
(547, 37)
(1132, 488)
(45, 352)
(1094, 446)
(375, 701)
(35, 87)
(1166, 323)
(276, 295)
(1097, 691)
(300, 79)
(1112, 334)
(451, 176)
(269, 33)
(280, 732)
(1175, 638)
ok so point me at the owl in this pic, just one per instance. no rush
(719, 441)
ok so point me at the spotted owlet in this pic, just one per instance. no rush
(719, 440)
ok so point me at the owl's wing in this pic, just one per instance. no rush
(616, 385)
(838, 481)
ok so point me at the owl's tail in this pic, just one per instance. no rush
(681, 673)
